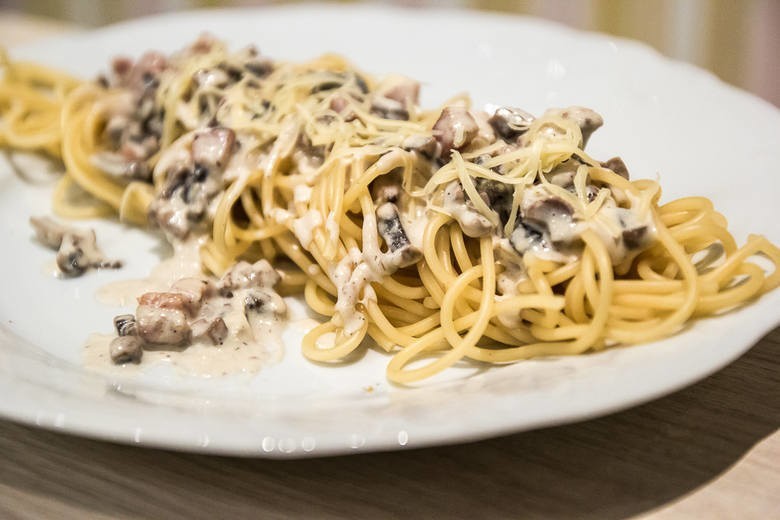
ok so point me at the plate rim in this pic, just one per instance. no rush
(50, 418)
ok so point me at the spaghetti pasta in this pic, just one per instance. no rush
(443, 235)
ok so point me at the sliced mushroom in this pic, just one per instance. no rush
(172, 218)
(526, 237)
(122, 167)
(126, 349)
(138, 170)
(79, 252)
(214, 329)
(401, 252)
(48, 231)
(125, 325)
(425, 145)
(563, 174)
(211, 78)
(70, 257)
(588, 120)
(472, 222)
(77, 249)
(405, 91)
(341, 105)
(212, 147)
(137, 75)
(553, 215)
(617, 165)
(510, 123)
(191, 170)
(387, 108)
(635, 238)
(259, 303)
(454, 129)
(386, 188)
(259, 66)
(394, 97)
(497, 195)
(203, 44)
(330, 81)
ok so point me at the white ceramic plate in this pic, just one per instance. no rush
(666, 118)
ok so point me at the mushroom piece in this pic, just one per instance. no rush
(510, 123)
(259, 66)
(526, 237)
(389, 109)
(48, 231)
(192, 172)
(336, 80)
(340, 105)
(497, 195)
(401, 253)
(386, 188)
(215, 330)
(588, 120)
(77, 249)
(617, 165)
(454, 129)
(563, 174)
(263, 304)
(137, 75)
(211, 78)
(473, 223)
(125, 325)
(405, 91)
(212, 147)
(425, 145)
(126, 349)
(127, 166)
(394, 97)
(552, 215)
(635, 238)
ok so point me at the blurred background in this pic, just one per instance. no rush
(738, 40)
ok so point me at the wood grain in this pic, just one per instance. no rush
(709, 451)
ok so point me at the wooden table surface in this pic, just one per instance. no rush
(709, 451)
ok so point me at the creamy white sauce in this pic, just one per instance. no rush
(201, 358)
(302, 193)
(283, 145)
(414, 218)
(179, 153)
(303, 227)
(185, 263)
(473, 223)
(508, 280)
(244, 161)
(332, 227)
(610, 222)
(250, 344)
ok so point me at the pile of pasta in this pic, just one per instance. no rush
(444, 309)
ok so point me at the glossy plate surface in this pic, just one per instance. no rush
(664, 118)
